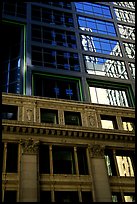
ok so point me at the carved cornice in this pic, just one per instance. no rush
(29, 146)
(81, 133)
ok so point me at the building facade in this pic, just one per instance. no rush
(68, 115)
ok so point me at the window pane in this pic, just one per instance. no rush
(125, 166)
(108, 96)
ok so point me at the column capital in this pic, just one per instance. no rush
(97, 151)
(29, 146)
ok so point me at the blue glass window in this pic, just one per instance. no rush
(97, 26)
(93, 8)
(101, 45)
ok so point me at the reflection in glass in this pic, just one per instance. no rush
(101, 45)
(98, 26)
(94, 9)
(128, 126)
(129, 198)
(125, 4)
(127, 32)
(108, 96)
(125, 166)
(129, 50)
(107, 124)
(126, 16)
(132, 69)
(105, 67)
(107, 160)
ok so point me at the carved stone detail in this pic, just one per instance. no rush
(29, 146)
(92, 120)
(97, 151)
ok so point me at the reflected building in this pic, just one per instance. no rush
(68, 110)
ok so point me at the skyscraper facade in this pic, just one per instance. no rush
(68, 90)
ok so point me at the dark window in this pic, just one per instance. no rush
(44, 164)
(72, 118)
(63, 160)
(12, 58)
(108, 122)
(49, 116)
(10, 196)
(2, 154)
(12, 158)
(9, 112)
(66, 196)
(86, 196)
(116, 197)
(55, 58)
(82, 160)
(52, 16)
(45, 196)
(56, 88)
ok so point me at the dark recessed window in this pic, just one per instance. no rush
(9, 112)
(12, 158)
(82, 161)
(86, 196)
(63, 160)
(66, 196)
(116, 197)
(108, 122)
(44, 164)
(49, 116)
(45, 196)
(72, 118)
(10, 196)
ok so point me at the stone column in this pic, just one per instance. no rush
(100, 180)
(29, 171)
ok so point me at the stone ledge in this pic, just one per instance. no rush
(83, 133)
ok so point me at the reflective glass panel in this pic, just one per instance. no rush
(101, 45)
(93, 8)
(98, 26)
(125, 166)
(127, 32)
(129, 50)
(108, 96)
(126, 16)
(105, 67)
(132, 69)
(125, 4)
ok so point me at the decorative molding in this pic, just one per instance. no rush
(27, 129)
(29, 146)
(97, 151)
